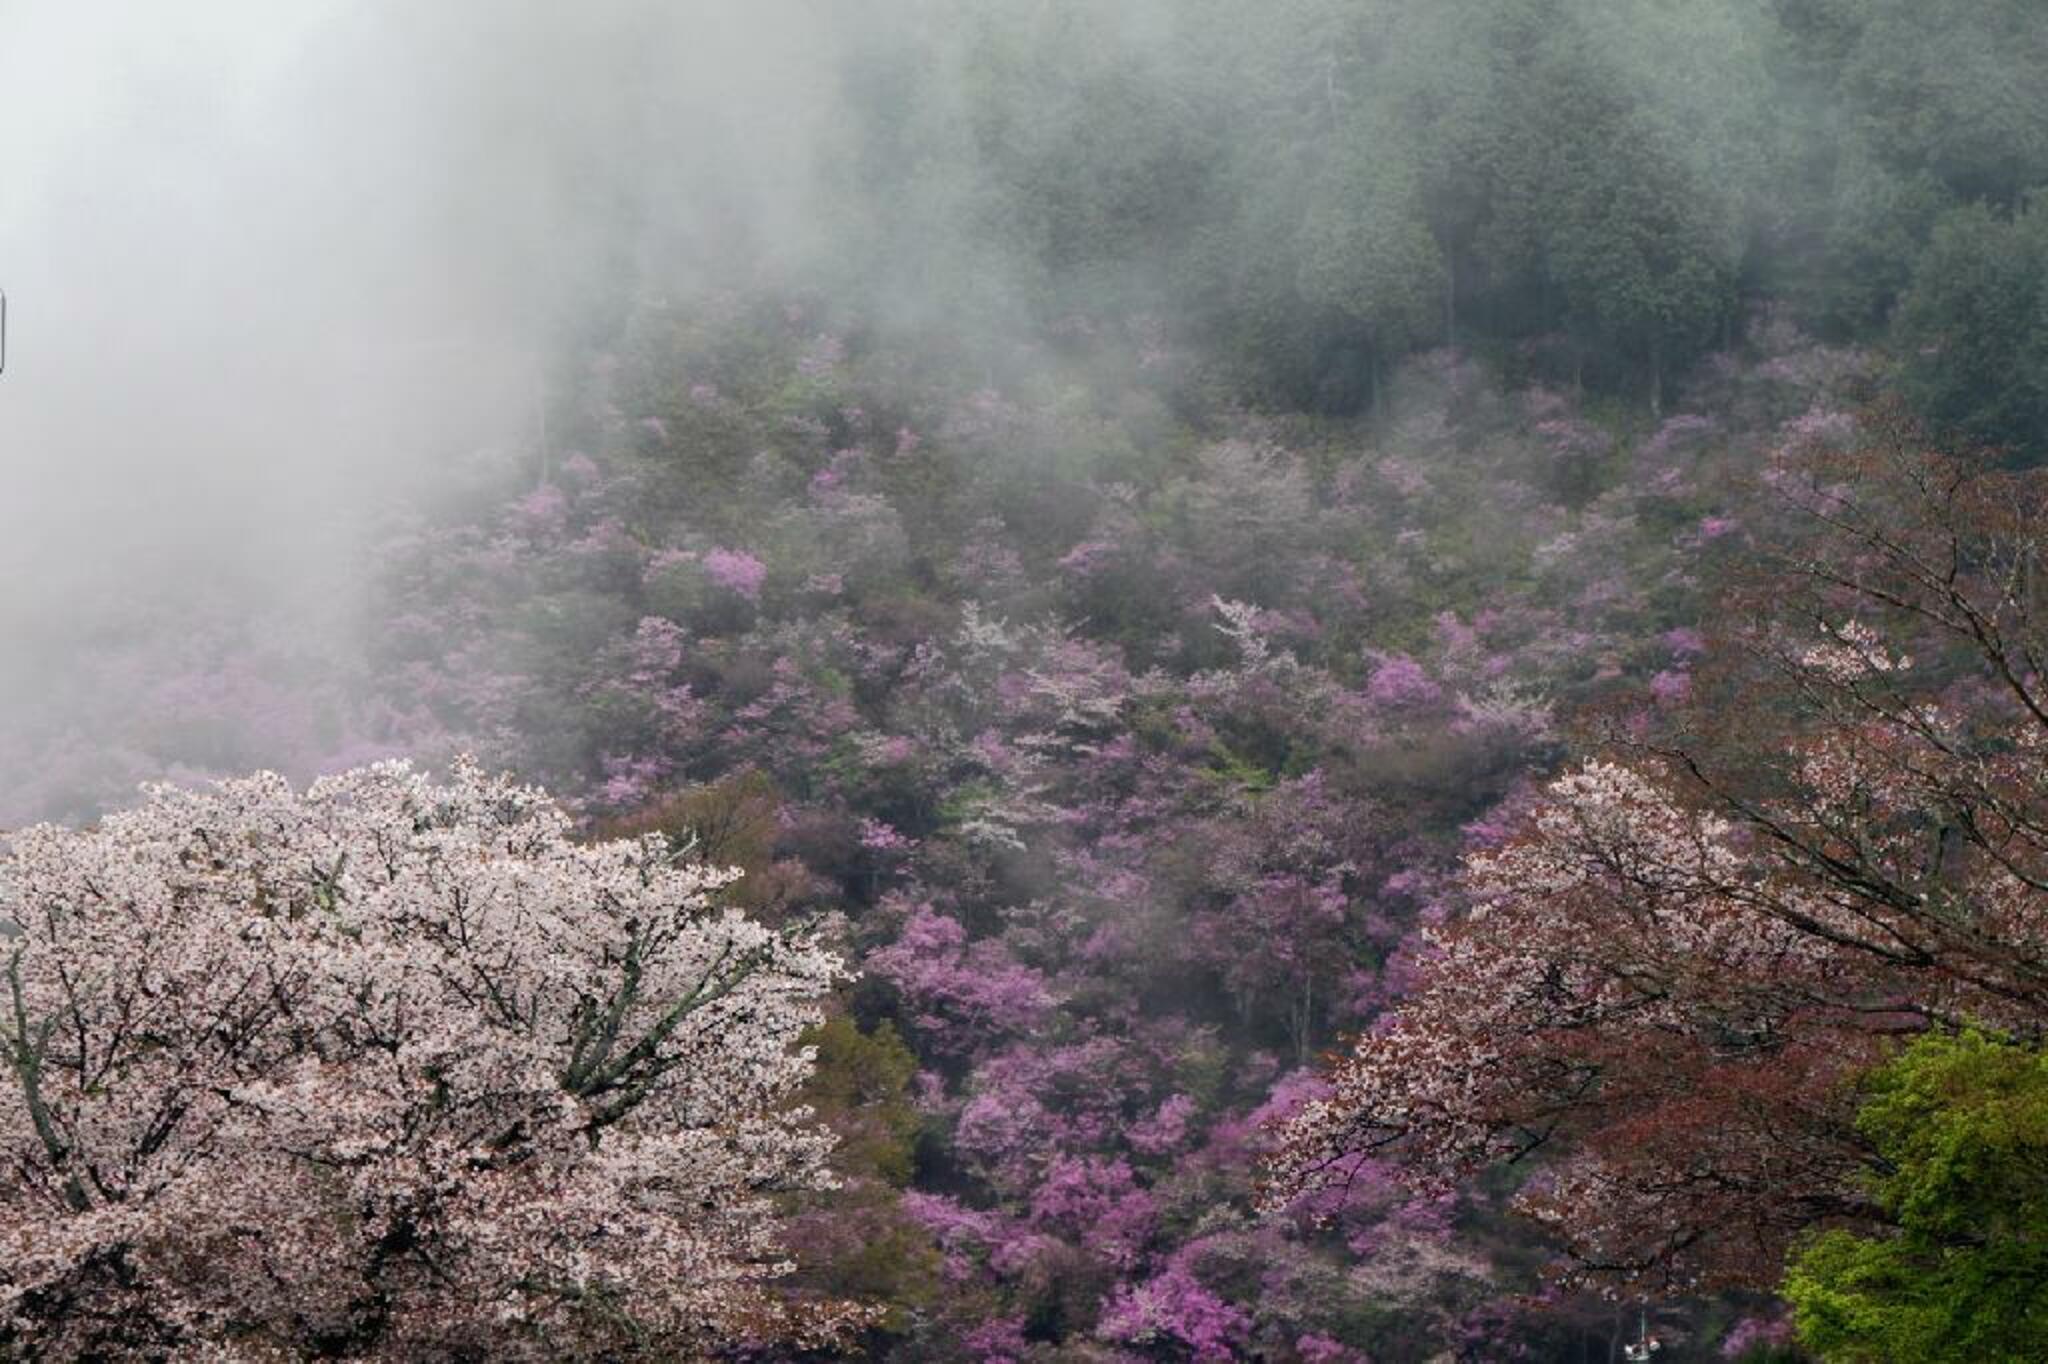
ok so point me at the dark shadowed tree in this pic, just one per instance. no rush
(1974, 327)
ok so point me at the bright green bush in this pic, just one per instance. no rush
(1961, 1121)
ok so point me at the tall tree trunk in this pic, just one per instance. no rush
(1303, 1022)
(1450, 298)
(540, 421)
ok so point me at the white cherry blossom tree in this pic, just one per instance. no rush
(392, 1069)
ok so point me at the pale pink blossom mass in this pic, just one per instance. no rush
(393, 1069)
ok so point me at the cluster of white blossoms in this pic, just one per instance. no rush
(1854, 652)
(1623, 931)
(389, 1068)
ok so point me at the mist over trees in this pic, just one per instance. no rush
(1373, 669)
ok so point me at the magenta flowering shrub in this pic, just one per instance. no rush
(959, 995)
(1172, 1310)
(1758, 1336)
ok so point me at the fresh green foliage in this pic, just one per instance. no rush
(1962, 1122)
(862, 1086)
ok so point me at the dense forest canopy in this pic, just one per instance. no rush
(1374, 671)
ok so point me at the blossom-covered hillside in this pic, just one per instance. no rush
(1294, 594)
(1136, 739)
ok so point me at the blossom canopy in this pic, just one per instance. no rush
(390, 1068)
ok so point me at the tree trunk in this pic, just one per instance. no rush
(1450, 298)
(540, 422)
(1304, 1024)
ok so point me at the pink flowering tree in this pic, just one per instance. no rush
(1667, 982)
(392, 1069)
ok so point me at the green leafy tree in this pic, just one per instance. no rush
(1974, 327)
(1321, 266)
(859, 1234)
(1365, 248)
(1951, 87)
(1961, 1121)
(1628, 162)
